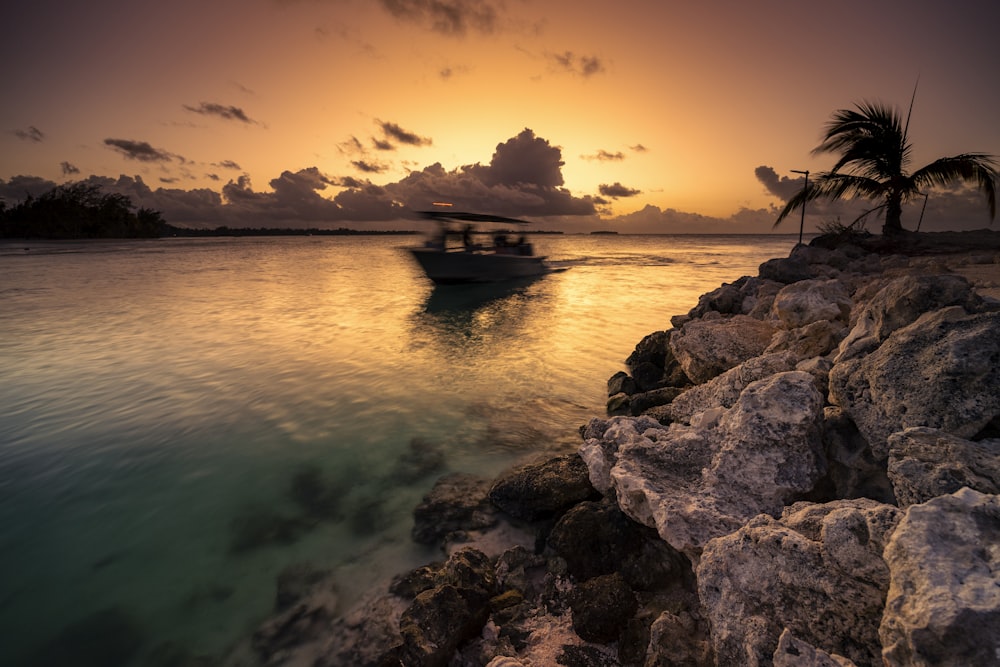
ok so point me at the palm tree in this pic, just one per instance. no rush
(874, 154)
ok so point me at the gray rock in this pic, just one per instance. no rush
(693, 484)
(942, 371)
(854, 472)
(818, 571)
(710, 346)
(925, 463)
(788, 270)
(900, 302)
(805, 302)
(812, 340)
(943, 603)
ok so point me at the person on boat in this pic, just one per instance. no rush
(467, 237)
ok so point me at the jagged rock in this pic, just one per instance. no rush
(597, 538)
(808, 301)
(640, 403)
(899, 303)
(942, 371)
(792, 652)
(854, 472)
(679, 640)
(621, 383)
(693, 484)
(818, 571)
(602, 607)
(652, 349)
(542, 490)
(361, 637)
(786, 270)
(747, 296)
(943, 603)
(708, 347)
(457, 502)
(619, 404)
(724, 390)
(925, 463)
(813, 340)
(647, 376)
(440, 619)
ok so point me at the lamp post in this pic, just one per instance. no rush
(805, 190)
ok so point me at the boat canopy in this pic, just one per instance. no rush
(468, 217)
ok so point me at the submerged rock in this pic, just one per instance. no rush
(457, 502)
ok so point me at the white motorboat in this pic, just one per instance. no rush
(501, 258)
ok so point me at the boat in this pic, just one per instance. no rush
(501, 258)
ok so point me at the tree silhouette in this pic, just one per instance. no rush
(874, 155)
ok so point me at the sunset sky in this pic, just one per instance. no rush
(640, 115)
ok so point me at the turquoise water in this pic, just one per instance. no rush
(170, 407)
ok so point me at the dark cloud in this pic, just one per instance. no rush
(30, 134)
(617, 190)
(525, 159)
(369, 167)
(221, 111)
(68, 169)
(448, 17)
(227, 164)
(19, 188)
(139, 150)
(585, 66)
(383, 145)
(639, 148)
(394, 131)
(605, 156)
(783, 187)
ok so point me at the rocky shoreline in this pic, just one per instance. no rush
(802, 470)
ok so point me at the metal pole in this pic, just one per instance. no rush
(920, 222)
(805, 190)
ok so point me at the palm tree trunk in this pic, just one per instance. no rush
(893, 213)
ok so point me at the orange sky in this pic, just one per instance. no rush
(319, 112)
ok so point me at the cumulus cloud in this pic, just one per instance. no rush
(19, 188)
(617, 190)
(448, 17)
(393, 131)
(138, 150)
(605, 156)
(68, 169)
(782, 187)
(30, 134)
(221, 111)
(585, 66)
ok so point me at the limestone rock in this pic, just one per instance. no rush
(786, 270)
(693, 484)
(943, 603)
(925, 463)
(708, 347)
(542, 490)
(457, 502)
(899, 303)
(942, 371)
(792, 652)
(812, 340)
(808, 301)
(818, 571)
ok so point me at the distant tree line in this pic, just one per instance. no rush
(79, 211)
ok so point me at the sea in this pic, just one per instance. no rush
(183, 419)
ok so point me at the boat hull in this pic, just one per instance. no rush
(461, 266)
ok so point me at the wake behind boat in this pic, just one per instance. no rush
(470, 261)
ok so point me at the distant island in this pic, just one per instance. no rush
(604, 231)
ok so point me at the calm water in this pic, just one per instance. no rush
(165, 405)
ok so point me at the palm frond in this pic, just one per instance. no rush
(829, 185)
(977, 168)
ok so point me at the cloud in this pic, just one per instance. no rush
(68, 169)
(227, 164)
(221, 111)
(19, 188)
(783, 187)
(394, 131)
(617, 190)
(448, 17)
(139, 150)
(638, 148)
(383, 145)
(585, 66)
(605, 156)
(369, 167)
(30, 134)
